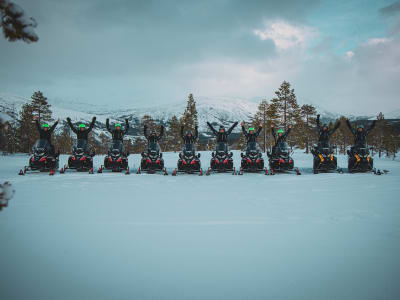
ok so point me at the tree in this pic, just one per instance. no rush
(261, 116)
(285, 104)
(64, 141)
(139, 146)
(343, 137)
(174, 137)
(104, 143)
(16, 26)
(26, 132)
(189, 118)
(40, 107)
(149, 122)
(308, 112)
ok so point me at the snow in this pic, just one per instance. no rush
(113, 236)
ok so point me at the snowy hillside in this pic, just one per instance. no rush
(219, 111)
(395, 114)
(224, 111)
(113, 236)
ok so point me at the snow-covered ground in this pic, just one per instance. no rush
(113, 236)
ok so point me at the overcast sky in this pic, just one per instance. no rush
(342, 55)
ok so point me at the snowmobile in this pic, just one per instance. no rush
(81, 159)
(252, 160)
(324, 160)
(44, 158)
(189, 161)
(359, 160)
(117, 159)
(221, 160)
(152, 160)
(280, 159)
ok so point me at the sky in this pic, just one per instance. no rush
(342, 56)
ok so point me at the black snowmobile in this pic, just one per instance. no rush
(117, 159)
(81, 158)
(280, 159)
(252, 160)
(221, 160)
(152, 160)
(44, 158)
(324, 160)
(359, 160)
(189, 161)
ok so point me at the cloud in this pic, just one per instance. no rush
(377, 41)
(391, 9)
(285, 35)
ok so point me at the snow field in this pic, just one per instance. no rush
(116, 236)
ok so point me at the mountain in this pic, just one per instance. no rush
(216, 111)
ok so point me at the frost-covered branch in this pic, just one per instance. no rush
(15, 25)
(6, 193)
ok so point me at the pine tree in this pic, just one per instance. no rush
(139, 146)
(40, 107)
(377, 136)
(285, 104)
(189, 118)
(26, 132)
(261, 116)
(174, 138)
(104, 143)
(64, 141)
(343, 137)
(149, 122)
(308, 112)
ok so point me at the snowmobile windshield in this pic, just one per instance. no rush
(283, 146)
(325, 150)
(362, 151)
(221, 147)
(252, 146)
(80, 144)
(189, 148)
(41, 144)
(116, 145)
(323, 144)
(153, 147)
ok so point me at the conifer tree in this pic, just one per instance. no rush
(189, 118)
(104, 143)
(285, 104)
(64, 141)
(343, 137)
(149, 122)
(40, 107)
(308, 112)
(26, 133)
(139, 146)
(261, 116)
(174, 138)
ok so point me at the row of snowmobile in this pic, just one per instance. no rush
(116, 160)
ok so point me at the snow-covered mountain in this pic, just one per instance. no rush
(216, 111)
(221, 111)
